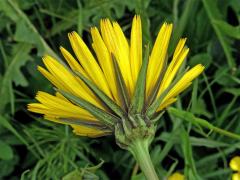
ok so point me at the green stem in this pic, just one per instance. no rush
(139, 149)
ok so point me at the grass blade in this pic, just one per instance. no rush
(187, 116)
(213, 14)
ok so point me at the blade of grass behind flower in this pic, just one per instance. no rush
(214, 15)
(188, 116)
(190, 170)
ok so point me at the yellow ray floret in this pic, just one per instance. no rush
(75, 66)
(236, 176)
(178, 58)
(105, 61)
(166, 103)
(235, 163)
(182, 84)
(158, 56)
(117, 45)
(176, 176)
(89, 132)
(51, 78)
(88, 62)
(82, 130)
(57, 106)
(136, 47)
(123, 54)
(64, 79)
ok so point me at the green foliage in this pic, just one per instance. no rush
(6, 151)
(197, 137)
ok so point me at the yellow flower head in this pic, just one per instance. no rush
(95, 90)
(176, 176)
(235, 165)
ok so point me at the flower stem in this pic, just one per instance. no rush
(139, 149)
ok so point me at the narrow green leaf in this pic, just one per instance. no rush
(187, 116)
(189, 170)
(12, 10)
(13, 73)
(195, 141)
(109, 102)
(182, 22)
(231, 31)
(201, 58)
(140, 88)
(84, 173)
(170, 143)
(23, 177)
(204, 161)
(123, 93)
(107, 118)
(6, 124)
(172, 167)
(214, 15)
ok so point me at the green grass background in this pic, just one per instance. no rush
(31, 148)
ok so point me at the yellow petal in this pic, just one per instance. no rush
(88, 62)
(105, 60)
(117, 44)
(60, 96)
(178, 58)
(136, 47)
(184, 82)
(75, 66)
(124, 58)
(89, 132)
(179, 47)
(158, 56)
(58, 107)
(235, 163)
(176, 176)
(51, 78)
(80, 130)
(108, 35)
(236, 176)
(166, 103)
(68, 81)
